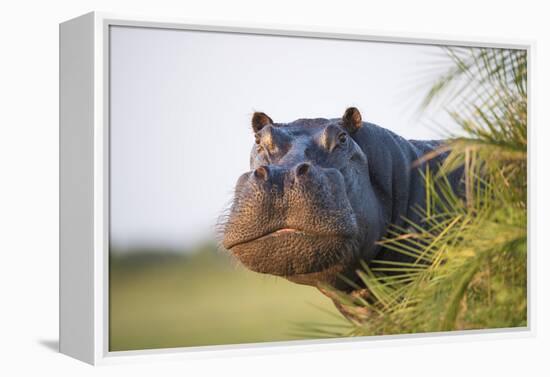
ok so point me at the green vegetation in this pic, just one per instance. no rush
(470, 256)
(161, 299)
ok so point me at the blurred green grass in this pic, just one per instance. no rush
(161, 300)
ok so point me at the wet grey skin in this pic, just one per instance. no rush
(319, 195)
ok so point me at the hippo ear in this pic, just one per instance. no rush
(260, 120)
(352, 121)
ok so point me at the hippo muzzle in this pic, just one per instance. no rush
(291, 220)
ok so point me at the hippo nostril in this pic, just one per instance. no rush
(302, 169)
(262, 173)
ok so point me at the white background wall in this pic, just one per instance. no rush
(29, 189)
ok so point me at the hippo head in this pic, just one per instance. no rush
(306, 210)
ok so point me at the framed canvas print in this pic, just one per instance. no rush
(228, 188)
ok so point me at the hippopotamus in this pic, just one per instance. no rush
(321, 193)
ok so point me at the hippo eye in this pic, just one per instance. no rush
(342, 138)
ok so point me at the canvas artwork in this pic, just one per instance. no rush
(270, 188)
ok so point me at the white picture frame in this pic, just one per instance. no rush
(84, 189)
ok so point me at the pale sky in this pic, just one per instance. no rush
(181, 104)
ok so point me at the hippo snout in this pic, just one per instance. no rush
(288, 220)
